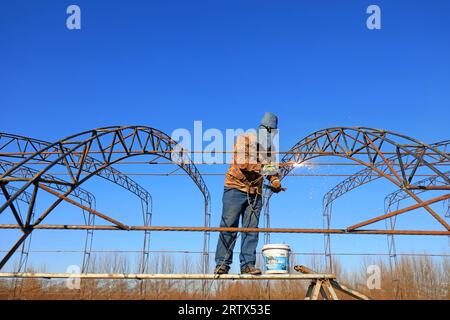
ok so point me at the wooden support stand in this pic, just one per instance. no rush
(325, 287)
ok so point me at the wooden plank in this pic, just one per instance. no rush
(162, 276)
(353, 293)
(316, 290)
(309, 291)
(324, 292)
(331, 292)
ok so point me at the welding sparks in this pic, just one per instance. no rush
(299, 164)
(304, 164)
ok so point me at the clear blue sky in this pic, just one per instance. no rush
(166, 64)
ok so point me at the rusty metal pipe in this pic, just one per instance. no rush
(101, 215)
(220, 229)
(397, 212)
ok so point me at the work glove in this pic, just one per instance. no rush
(275, 190)
(275, 185)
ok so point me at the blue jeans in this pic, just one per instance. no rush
(236, 205)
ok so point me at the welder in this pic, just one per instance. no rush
(242, 196)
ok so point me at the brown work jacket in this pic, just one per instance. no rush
(244, 171)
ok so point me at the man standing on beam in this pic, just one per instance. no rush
(242, 196)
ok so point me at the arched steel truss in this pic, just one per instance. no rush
(361, 178)
(16, 146)
(25, 198)
(54, 183)
(399, 159)
(92, 152)
(23, 260)
(392, 202)
(390, 155)
(84, 197)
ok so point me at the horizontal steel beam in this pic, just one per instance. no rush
(167, 276)
(220, 229)
(428, 187)
(16, 153)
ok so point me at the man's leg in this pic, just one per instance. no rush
(233, 204)
(249, 240)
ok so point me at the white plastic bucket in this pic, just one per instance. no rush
(276, 258)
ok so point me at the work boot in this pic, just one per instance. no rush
(221, 269)
(251, 270)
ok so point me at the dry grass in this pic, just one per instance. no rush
(419, 278)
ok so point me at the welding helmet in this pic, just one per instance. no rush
(269, 124)
(269, 121)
